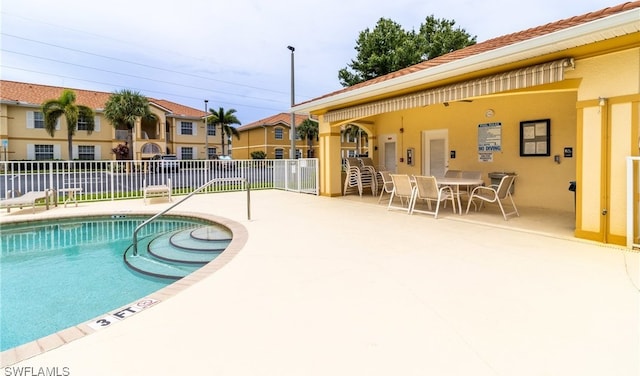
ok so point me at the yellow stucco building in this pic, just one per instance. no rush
(272, 136)
(178, 129)
(553, 104)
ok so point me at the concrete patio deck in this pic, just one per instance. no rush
(341, 286)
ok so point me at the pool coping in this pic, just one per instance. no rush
(39, 346)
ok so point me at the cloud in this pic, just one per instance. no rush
(232, 53)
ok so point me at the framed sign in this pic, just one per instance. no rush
(535, 138)
(489, 137)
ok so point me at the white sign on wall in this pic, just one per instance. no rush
(489, 137)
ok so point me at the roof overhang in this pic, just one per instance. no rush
(154, 104)
(617, 25)
(523, 78)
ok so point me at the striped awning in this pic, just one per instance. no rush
(516, 79)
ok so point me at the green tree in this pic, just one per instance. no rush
(308, 130)
(258, 154)
(389, 48)
(66, 105)
(124, 107)
(385, 49)
(225, 121)
(438, 37)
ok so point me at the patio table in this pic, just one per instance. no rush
(457, 183)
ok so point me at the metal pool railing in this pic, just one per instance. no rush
(116, 180)
(143, 224)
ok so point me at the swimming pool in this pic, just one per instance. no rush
(56, 274)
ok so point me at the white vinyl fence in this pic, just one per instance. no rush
(114, 180)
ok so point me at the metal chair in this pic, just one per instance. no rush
(426, 188)
(387, 183)
(495, 193)
(358, 177)
(403, 189)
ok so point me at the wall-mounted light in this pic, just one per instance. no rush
(602, 101)
(489, 113)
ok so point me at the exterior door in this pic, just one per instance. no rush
(390, 156)
(435, 147)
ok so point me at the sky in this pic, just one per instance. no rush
(232, 53)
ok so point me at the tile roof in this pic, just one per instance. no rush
(34, 94)
(493, 44)
(283, 118)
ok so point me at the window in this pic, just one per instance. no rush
(82, 124)
(86, 152)
(278, 134)
(186, 127)
(351, 154)
(38, 119)
(279, 153)
(43, 152)
(150, 148)
(211, 129)
(186, 153)
(212, 152)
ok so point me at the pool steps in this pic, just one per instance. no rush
(176, 254)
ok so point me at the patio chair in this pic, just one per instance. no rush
(387, 184)
(29, 199)
(158, 190)
(453, 174)
(358, 177)
(426, 188)
(495, 193)
(367, 163)
(403, 189)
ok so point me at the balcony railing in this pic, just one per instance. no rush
(122, 134)
(116, 180)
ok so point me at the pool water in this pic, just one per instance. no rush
(54, 275)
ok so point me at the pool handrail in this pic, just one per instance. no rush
(216, 180)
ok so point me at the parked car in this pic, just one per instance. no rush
(225, 162)
(167, 162)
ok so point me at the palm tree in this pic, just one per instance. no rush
(308, 130)
(353, 131)
(124, 107)
(65, 105)
(224, 119)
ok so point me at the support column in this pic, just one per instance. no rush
(330, 159)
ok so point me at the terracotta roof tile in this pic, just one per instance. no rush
(34, 94)
(493, 44)
(283, 118)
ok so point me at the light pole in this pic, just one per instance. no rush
(292, 154)
(206, 130)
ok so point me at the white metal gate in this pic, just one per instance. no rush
(298, 175)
